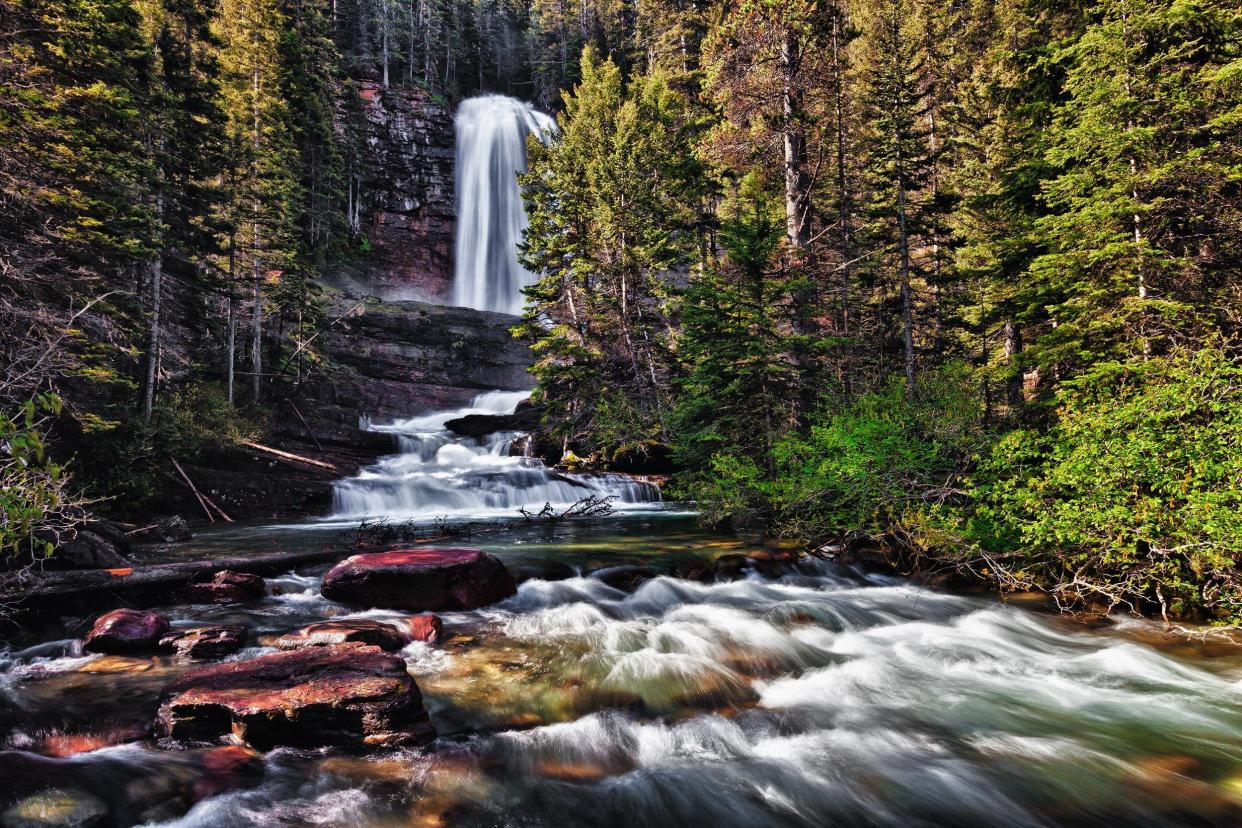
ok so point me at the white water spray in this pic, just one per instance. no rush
(438, 473)
(491, 152)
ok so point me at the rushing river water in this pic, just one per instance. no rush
(789, 694)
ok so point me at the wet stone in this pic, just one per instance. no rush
(347, 631)
(347, 695)
(126, 631)
(420, 579)
(205, 642)
(226, 587)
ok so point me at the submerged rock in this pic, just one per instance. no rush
(347, 631)
(420, 579)
(205, 642)
(387, 635)
(59, 807)
(226, 587)
(349, 695)
(126, 631)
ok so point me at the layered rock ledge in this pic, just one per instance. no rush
(345, 695)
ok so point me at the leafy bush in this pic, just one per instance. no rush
(859, 467)
(1134, 496)
(35, 503)
(187, 423)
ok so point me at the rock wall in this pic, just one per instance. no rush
(407, 197)
(384, 361)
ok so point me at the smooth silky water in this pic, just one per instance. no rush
(797, 694)
(803, 694)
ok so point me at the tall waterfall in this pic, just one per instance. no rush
(438, 473)
(491, 151)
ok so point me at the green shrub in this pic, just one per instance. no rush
(35, 503)
(1133, 497)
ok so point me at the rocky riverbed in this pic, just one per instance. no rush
(644, 672)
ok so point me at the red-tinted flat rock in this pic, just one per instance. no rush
(348, 695)
(420, 579)
(226, 587)
(345, 631)
(126, 631)
(205, 642)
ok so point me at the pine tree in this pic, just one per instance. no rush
(898, 154)
(612, 212)
(1143, 249)
(266, 192)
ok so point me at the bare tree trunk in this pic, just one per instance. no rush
(907, 306)
(230, 359)
(157, 271)
(256, 348)
(1013, 352)
(797, 183)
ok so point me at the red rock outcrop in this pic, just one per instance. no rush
(349, 695)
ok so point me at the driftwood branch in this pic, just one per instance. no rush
(285, 455)
(190, 483)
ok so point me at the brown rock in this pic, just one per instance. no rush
(126, 631)
(346, 631)
(205, 642)
(420, 579)
(310, 697)
(226, 587)
(425, 627)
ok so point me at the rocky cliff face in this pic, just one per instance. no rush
(383, 361)
(406, 192)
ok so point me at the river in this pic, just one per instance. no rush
(611, 691)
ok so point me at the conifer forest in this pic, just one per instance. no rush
(618, 412)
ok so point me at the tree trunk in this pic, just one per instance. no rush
(157, 300)
(907, 308)
(1013, 352)
(797, 183)
(230, 359)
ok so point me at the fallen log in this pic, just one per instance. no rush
(284, 455)
(62, 593)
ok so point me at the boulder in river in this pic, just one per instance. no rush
(205, 642)
(420, 579)
(348, 695)
(345, 631)
(226, 587)
(126, 631)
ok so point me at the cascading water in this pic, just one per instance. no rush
(491, 151)
(438, 473)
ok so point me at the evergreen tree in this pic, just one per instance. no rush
(898, 157)
(611, 207)
(265, 190)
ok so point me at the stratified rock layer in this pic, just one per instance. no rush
(347, 695)
(420, 579)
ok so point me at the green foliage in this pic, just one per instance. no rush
(190, 423)
(1135, 494)
(612, 209)
(34, 497)
(859, 468)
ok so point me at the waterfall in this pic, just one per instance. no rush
(491, 151)
(440, 474)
